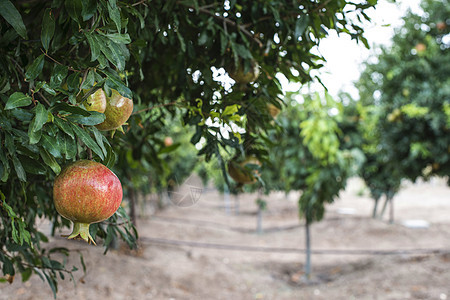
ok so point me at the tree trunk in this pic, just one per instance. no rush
(383, 210)
(226, 200)
(308, 251)
(132, 199)
(391, 210)
(259, 220)
(375, 208)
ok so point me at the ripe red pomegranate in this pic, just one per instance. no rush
(86, 192)
(168, 141)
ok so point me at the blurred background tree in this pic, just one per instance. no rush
(404, 104)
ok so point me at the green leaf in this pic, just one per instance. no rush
(5, 123)
(93, 119)
(74, 8)
(40, 118)
(63, 106)
(241, 50)
(111, 51)
(182, 43)
(50, 160)
(19, 169)
(7, 207)
(300, 26)
(34, 136)
(196, 137)
(67, 145)
(32, 166)
(230, 110)
(18, 99)
(58, 75)
(8, 267)
(83, 265)
(89, 81)
(89, 9)
(51, 145)
(169, 149)
(13, 17)
(26, 274)
(35, 68)
(9, 143)
(73, 81)
(45, 87)
(48, 28)
(64, 126)
(93, 43)
(88, 140)
(118, 37)
(99, 139)
(114, 14)
(110, 159)
(5, 165)
(24, 234)
(52, 283)
(115, 82)
(22, 114)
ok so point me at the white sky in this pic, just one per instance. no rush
(344, 56)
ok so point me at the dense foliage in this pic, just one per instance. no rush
(168, 56)
(407, 87)
(403, 116)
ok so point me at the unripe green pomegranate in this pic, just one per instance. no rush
(273, 110)
(86, 192)
(241, 172)
(96, 101)
(240, 76)
(118, 110)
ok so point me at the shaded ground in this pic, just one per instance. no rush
(158, 271)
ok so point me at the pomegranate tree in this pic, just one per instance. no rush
(86, 192)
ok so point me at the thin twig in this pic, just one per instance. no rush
(228, 21)
(116, 224)
(42, 96)
(54, 60)
(138, 3)
(35, 266)
(89, 152)
(155, 106)
(82, 81)
(294, 13)
(19, 68)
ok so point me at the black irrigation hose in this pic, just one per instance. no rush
(214, 225)
(417, 251)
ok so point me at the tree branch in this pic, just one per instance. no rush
(54, 60)
(228, 21)
(153, 107)
(20, 69)
(138, 3)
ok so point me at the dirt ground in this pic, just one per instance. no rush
(162, 271)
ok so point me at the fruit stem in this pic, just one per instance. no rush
(81, 231)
